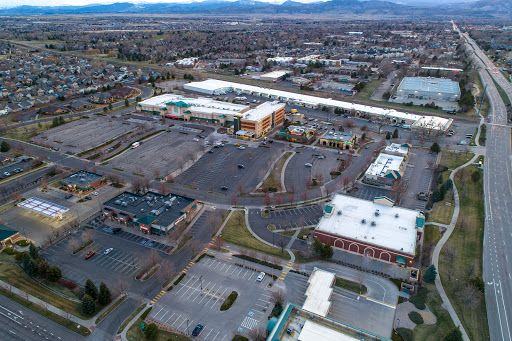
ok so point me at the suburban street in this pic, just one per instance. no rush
(497, 270)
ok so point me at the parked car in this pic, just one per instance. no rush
(116, 230)
(308, 165)
(144, 241)
(109, 250)
(321, 157)
(90, 254)
(94, 193)
(7, 173)
(261, 276)
(67, 196)
(197, 329)
(88, 197)
(241, 166)
(196, 140)
(210, 151)
(224, 188)
(241, 147)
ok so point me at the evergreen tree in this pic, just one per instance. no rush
(327, 250)
(90, 289)
(5, 147)
(25, 259)
(32, 267)
(104, 297)
(33, 251)
(395, 134)
(126, 103)
(430, 274)
(318, 247)
(434, 148)
(110, 106)
(388, 135)
(454, 335)
(88, 305)
(53, 274)
(61, 120)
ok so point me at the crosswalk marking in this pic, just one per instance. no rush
(250, 323)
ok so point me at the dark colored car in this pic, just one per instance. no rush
(197, 330)
(241, 166)
(116, 230)
(224, 188)
(68, 196)
(88, 197)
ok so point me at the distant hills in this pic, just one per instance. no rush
(372, 8)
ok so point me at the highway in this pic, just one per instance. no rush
(497, 270)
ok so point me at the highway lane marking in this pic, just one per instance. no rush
(505, 311)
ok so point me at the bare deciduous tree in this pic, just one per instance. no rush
(470, 296)
(278, 297)
(258, 334)
(195, 246)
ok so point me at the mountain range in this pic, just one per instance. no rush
(373, 8)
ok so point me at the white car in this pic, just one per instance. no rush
(95, 193)
(241, 147)
(261, 276)
(107, 251)
(308, 165)
(195, 140)
(321, 157)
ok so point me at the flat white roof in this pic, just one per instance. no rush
(396, 148)
(319, 292)
(395, 227)
(212, 85)
(262, 111)
(313, 331)
(433, 123)
(275, 74)
(160, 100)
(384, 164)
(43, 207)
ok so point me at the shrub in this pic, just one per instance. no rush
(416, 317)
(420, 298)
(11, 252)
(454, 335)
(53, 274)
(262, 262)
(406, 334)
(151, 332)
(179, 279)
(229, 301)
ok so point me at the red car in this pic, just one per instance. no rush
(90, 254)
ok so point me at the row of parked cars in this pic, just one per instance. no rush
(14, 171)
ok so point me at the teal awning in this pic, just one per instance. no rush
(147, 220)
(400, 259)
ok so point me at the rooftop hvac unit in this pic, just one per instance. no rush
(82, 179)
(124, 204)
(396, 215)
(142, 210)
(363, 221)
(377, 213)
(339, 212)
(373, 223)
(117, 202)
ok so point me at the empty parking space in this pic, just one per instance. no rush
(220, 168)
(148, 241)
(198, 297)
(295, 218)
(160, 155)
(369, 192)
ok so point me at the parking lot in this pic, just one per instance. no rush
(198, 297)
(418, 177)
(164, 153)
(122, 264)
(14, 168)
(346, 306)
(297, 172)
(148, 242)
(83, 134)
(295, 218)
(220, 168)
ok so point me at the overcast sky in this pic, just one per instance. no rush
(13, 3)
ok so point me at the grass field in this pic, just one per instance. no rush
(12, 274)
(485, 105)
(452, 160)
(467, 242)
(236, 232)
(350, 286)
(444, 325)
(273, 180)
(134, 334)
(502, 93)
(431, 234)
(369, 89)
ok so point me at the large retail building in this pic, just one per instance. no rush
(376, 229)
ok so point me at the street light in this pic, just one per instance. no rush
(187, 328)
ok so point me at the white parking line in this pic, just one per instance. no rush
(206, 337)
(166, 312)
(246, 272)
(236, 268)
(170, 317)
(216, 335)
(183, 286)
(176, 320)
(158, 312)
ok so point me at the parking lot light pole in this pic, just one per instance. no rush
(201, 279)
(187, 328)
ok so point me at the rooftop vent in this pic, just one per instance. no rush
(377, 213)
(363, 221)
(339, 212)
(396, 215)
(117, 202)
(373, 223)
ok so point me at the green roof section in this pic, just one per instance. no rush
(6, 232)
(147, 220)
(180, 104)
(328, 208)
